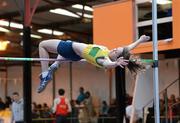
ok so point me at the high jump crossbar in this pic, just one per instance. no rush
(51, 59)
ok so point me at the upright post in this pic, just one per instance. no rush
(27, 83)
(120, 93)
(155, 58)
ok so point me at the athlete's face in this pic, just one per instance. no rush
(114, 53)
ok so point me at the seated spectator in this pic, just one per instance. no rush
(46, 111)
(150, 115)
(172, 108)
(104, 109)
(178, 106)
(45, 106)
(162, 107)
(112, 108)
(39, 110)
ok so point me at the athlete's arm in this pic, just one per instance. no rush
(143, 38)
(107, 63)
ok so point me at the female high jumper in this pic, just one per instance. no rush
(97, 55)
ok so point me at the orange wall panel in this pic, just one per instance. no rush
(176, 23)
(113, 24)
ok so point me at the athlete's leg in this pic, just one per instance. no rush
(46, 47)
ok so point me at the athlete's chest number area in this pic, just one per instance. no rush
(94, 51)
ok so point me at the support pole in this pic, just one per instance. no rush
(120, 93)
(70, 79)
(6, 81)
(27, 75)
(110, 84)
(27, 83)
(155, 58)
(53, 87)
(179, 74)
(166, 105)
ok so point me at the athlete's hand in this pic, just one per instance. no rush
(121, 62)
(144, 38)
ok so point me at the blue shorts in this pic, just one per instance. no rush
(65, 50)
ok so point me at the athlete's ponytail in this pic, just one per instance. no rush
(133, 65)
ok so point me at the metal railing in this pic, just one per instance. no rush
(164, 91)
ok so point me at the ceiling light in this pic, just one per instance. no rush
(36, 36)
(45, 31)
(163, 2)
(58, 33)
(4, 23)
(33, 36)
(50, 32)
(85, 15)
(64, 12)
(3, 30)
(12, 24)
(3, 45)
(78, 6)
(16, 25)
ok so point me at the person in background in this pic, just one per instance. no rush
(88, 102)
(2, 104)
(81, 95)
(17, 108)
(75, 111)
(61, 107)
(8, 101)
(104, 109)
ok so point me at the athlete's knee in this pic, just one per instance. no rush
(42, 44)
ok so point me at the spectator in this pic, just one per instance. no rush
(45, 106)
(90, 109)
(39, 110)
(2, 105)
(112, 108)
(83, 115)
(8, 102)
(46, 111)
(171, 102)
(172, 99)
(82, 95)
(17, 108)
(104, 109)
(162, 107)
(178, 106)
(74, 113)
(150, 115)
(61, 107)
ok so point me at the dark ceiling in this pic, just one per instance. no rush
(79, 29)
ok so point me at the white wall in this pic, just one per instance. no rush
(2, 85)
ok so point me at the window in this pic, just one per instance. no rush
(144, 18)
